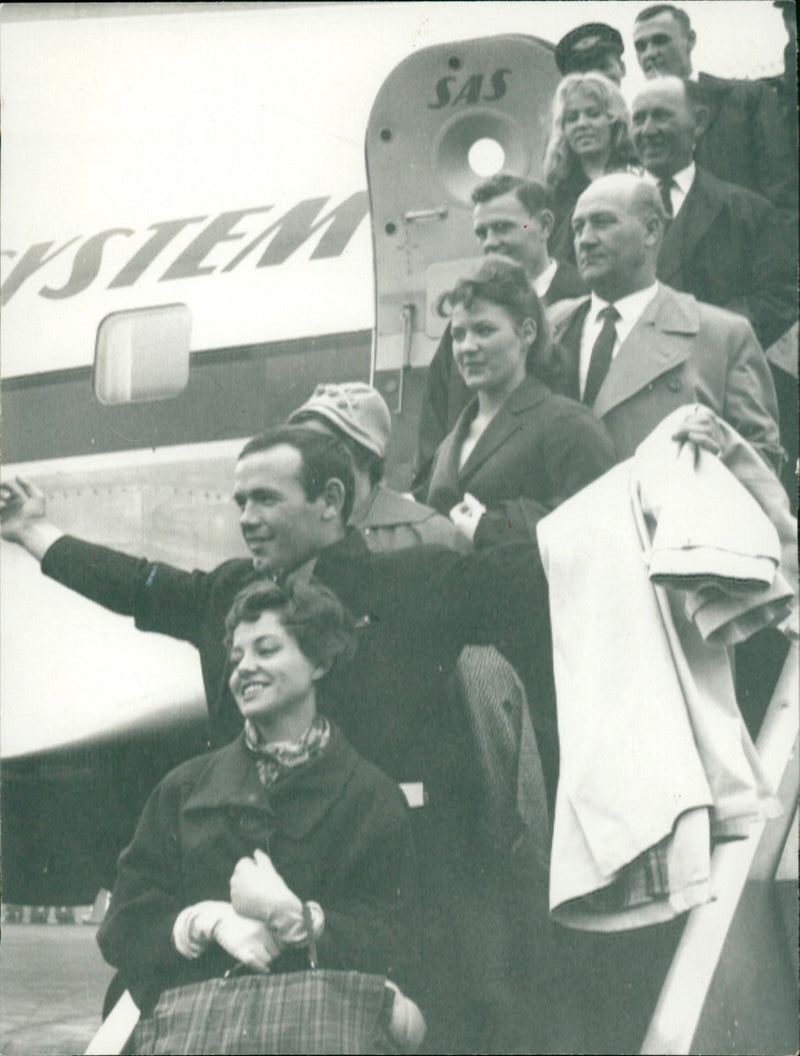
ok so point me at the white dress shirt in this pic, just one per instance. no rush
(630, 309)
(681, 185)
(542, 283)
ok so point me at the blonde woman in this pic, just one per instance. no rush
(590, 136)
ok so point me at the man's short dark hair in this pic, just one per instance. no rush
(309, 612)
(323, 457)
(533, 196)
(666, 9)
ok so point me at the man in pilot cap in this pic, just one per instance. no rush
(592, 46)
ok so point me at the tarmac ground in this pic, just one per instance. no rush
(52, 983)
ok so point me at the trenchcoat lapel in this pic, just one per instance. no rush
(650, 349)
(686, 231)
(504, 424)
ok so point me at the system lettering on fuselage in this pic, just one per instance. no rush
(277, 242)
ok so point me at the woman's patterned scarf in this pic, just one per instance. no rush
(276, 758)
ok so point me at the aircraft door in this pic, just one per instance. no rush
(445, 118)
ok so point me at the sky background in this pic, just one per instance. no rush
(122, 120)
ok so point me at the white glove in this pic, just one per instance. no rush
(258, 890)
(407, 1024)
(466, 514)
(248, 941)
(194, 926)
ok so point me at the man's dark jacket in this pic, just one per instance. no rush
(745, 141)
(415, 610)
(729, 247)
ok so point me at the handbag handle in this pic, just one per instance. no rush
(312, 939)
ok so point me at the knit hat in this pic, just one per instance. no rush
(357, 409)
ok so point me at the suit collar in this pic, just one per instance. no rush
(388, 508)
(447, 480)
(351, 545)
(672, 312)
(542, 283)
(646, 353)
(689, 227)
(297, 803)
(565, 315)
(630, 308)
(566, 284)
(715, 85)
(685, 178)
(567, 319)
(526, 396)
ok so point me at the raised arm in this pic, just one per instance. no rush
(160, 597)
(23, 518)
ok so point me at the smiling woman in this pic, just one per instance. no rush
(282, 851)
(590, 136)
(281, 645)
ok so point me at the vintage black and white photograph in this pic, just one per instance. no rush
(399, 574)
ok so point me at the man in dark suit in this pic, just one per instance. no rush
(743, 139)
(635, 350)
(725, 244)
(414, 610)
(785, 84)
(512, 217)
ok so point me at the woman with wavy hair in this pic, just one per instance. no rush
(590, 136)
(517, 449)
(270, 888)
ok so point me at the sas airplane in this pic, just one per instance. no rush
(190, 243)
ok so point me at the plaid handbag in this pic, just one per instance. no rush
(309, 1012)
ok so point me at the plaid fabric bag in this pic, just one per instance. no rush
(309, 1012)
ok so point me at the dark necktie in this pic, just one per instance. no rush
(601, 354)
(664, 188)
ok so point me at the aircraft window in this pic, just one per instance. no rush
(486, 157)
(143, 354)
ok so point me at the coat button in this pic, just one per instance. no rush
(251, 821)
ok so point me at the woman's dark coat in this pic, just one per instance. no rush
(336, 829)
(538, 447)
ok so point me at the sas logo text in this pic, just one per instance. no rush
(448, 92)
